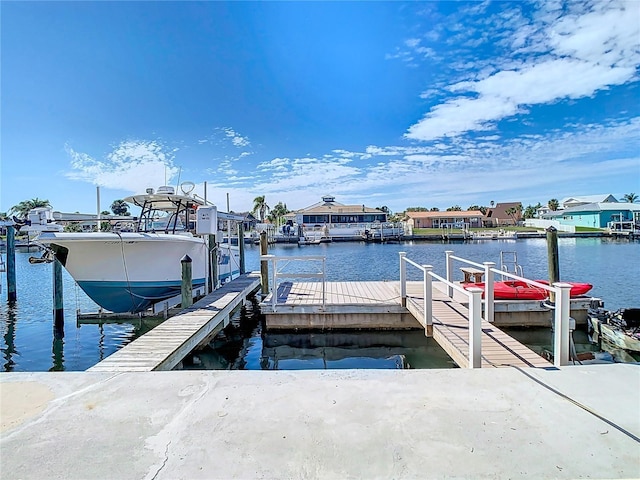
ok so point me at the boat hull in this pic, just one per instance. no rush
(614, 336)
(129, 272)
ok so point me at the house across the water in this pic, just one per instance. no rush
(503, 214)
(570, 202)
(331, 220)
(450, 219)
(611, 215)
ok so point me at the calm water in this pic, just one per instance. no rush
(28, 343)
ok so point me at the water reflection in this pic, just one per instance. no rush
(244, 345)
(9, 348)
(57, 356)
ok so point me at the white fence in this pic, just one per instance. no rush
(540, 223)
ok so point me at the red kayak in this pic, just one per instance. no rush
(517, 290)
(513, 290)
(577, 288)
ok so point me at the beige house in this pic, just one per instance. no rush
(332, 213)
(455, 219)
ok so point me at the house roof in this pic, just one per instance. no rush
(596, 207)
(500, 210)
(449, 214)
(338, 208)
(602, 198)
(329, 205)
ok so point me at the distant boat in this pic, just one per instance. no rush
(130, 271)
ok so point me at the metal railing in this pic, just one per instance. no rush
(488, 267)
(475, 310)
(474, 295)
(560, 291)
(278, 266)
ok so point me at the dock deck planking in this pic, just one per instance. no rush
(450, 318)
(337, 293)
(167, 344)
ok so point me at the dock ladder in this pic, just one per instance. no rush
(509, 263)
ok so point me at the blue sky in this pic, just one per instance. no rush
(377, 103)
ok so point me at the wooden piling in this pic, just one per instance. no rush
(553, 260)
(264, 266)
(213, 263)
(58, 300)
(187, 289)
(11, 264)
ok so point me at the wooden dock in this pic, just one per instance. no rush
(451, 331)
(450, 318)
(167, 344)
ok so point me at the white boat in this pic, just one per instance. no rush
(130, 271)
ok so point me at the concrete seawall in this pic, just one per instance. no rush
(575, 422)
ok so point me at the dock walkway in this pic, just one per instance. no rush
(450, 318)
(451, 331)
(167, 344)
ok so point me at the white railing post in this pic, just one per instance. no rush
(475, 327)
(489, 310)
(428, 314)
(324, 281)
(403, 279)
(449, 263)
(561, 326)
(274, 284)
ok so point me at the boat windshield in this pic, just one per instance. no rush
(174, 216)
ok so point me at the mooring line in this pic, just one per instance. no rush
(582, 406)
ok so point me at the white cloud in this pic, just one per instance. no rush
(585, 51)
(133, 165)
(412, 42)
(236, 139)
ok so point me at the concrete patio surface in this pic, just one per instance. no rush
(575, 422)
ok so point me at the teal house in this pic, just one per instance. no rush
(597, 215)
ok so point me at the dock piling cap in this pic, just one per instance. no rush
(186, 259)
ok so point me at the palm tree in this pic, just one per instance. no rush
(630, 197)
(120, 207)
(278, 212)
(260, 206)
(531, 210)
(478, 208)
(22, 209)
(515, 213)
(553, 204)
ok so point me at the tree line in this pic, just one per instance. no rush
(277, 213)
